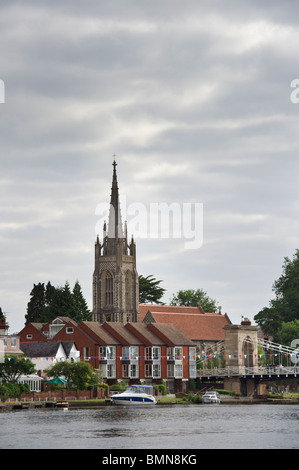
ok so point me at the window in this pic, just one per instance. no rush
(192, 353)
(148, 370)
(153, 370)
(28, 336)
(192, 363)
(156, 371)
(111, 371)
(192, 371)
(108, 289)
(153, 353)
(107, 352)
(128, 288)
(178, 371)
(178, 353)
(86, 353)
(130, 352)
(133, 370)
(170, 353)
(111, 352)
(69, 330)
(125, 368)
(170, 370)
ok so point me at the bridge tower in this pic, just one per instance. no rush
(241, 354)
(241, 345)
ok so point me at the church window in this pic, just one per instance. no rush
(128, 286)
(108, 289)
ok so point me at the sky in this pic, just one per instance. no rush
(198, 101)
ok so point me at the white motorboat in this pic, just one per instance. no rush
(211, 397)
(135, 395)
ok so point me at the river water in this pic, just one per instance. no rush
(159, 427)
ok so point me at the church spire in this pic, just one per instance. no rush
(115, 278)
(115, 229)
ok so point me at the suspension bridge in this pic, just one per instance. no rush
(255, 357)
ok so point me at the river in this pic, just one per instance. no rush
(159, 427)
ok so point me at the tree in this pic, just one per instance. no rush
(192, 298)
(62, 304)
(288, 332)
(81, 310)
(285, 307)
(269, 320)
(48, 302)
(77, 374)
(14, 366)
(286, 289)
(37, 304)
(150, 290)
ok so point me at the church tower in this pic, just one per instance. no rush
(115, 278)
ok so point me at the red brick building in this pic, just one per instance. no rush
(133, 352)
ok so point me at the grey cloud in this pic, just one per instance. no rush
(193, 97)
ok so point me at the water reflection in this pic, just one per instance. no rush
(159, 427)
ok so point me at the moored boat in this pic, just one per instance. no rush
(135, 395)
(211, 397)
(62, 404)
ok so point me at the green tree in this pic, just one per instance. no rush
(284, 307)
(287, 332)
(14, 366)
(48, 302)
(192, 298)
(77, 374)
(269, 320)
(150, 290)
(81, 310)
(36, 304)
(286, 289)
(61, 304)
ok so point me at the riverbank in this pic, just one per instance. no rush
(164, 400)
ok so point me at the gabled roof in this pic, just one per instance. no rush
(148, 337)
(67, 346)
(189, 320)
(170, 334)
(98, 333)
(63, 320)
(44, 349)
(121, 333)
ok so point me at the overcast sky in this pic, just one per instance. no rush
(193, 97)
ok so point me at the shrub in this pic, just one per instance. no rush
(12, 390)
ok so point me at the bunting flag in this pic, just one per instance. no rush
(199, 356)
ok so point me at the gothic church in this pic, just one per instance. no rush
(115, 278)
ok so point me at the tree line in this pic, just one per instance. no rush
(280, 319)
(48, 302)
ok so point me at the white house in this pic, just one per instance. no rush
(45, 354)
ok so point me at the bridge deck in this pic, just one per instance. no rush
(241, 371)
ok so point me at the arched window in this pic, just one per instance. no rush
(128, 286)
(108, 283)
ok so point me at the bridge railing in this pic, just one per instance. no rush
(249, 371)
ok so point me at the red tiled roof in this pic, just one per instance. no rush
(190, 320)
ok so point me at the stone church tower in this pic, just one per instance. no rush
(115, 278)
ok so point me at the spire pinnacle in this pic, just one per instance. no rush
(114, 224)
